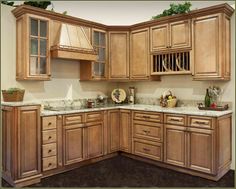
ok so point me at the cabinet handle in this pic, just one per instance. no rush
(172, 119)
(145, 149)
(200, 122)
(146, 117)
(49, 164)
(145, 131)
(49, 137)
(50, 123)
(49, 151)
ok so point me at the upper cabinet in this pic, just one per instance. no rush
(139, 54)
(211, 47)
(118, 55)
(33, 57)
(171, 36)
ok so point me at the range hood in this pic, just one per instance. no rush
(71, 42)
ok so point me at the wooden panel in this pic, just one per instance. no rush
(175, 145)
(113, 131)
(73, 119)
(49, 122)
(180, 34)
(49, 150)
(94, 137)
(206, 46)
(94, 116)
(201, 122)
(227, 48)
(118, 55)
(49, 136)
(159, 37)
(139, 54)
(201, 150)
(29, 141)
(73, 145)
(49, 163)
(148, 116)
(175, 119)
(148, 149)
(125, 130)
(148, 130)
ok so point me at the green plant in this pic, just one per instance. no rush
(174, 9)
(39, 4)
(13, 89)
(10, 3)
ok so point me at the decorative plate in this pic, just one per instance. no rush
(118, 95)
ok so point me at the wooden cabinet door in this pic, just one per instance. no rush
(201, 150)
(94, 139)
(113, 131)
(139, 54)
(73, 144)
(175, 145)
(125, 130)
(159, 37)
(180, 34)
(118, 55)
(29, 142)
(206, 46)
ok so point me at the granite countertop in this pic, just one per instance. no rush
(23, 103)
(153, 108)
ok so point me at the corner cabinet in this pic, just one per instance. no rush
(21, 145)
(211, 47)
(118, 55)
(32, 48)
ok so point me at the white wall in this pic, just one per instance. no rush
(65, 74)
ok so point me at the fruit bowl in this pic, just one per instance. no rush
(171, 103)
(168, 100)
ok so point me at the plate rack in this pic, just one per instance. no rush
(171, 63)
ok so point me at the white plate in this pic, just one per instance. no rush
(118, 95)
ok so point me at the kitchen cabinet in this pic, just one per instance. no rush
(118, 55)
(125, 130)
(170, 36)
(211, 47)
(139, 54)
(21, 145)
(113, 130)
(32, 41)
(96, 70)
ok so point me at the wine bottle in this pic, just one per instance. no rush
(207, 99)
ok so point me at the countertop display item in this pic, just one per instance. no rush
(168, 100)
(131, 95)
(118, 95)
(13, 95)
(214, 108)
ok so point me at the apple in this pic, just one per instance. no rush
(213, 105)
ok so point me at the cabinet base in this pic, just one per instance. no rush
(216, 177)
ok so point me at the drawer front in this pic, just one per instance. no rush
(175, 119)
(93, 116)
(150, 132)
(49, 136)
(201, 122)
(49, 122)
(73, 119)
(152, 150)
(49, 150)
(49, 163)
(148, 116)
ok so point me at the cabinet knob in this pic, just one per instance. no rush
(50, 123)
(49, 164)
(49, 137)
(49, 151)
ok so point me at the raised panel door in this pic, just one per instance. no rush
(159, 37)
(175, 145)
(119, 55)
(125, 130)
(139, 54)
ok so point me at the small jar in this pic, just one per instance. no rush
(90, 103)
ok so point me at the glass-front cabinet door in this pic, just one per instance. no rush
(39, 47)
(99, 42)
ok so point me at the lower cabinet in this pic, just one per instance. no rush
(125, 130)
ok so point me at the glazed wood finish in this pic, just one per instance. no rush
(25, 68)
(118, 55)
(125, 130)
(139, 54)
(211, 41)
(174, 35)
(21, 145)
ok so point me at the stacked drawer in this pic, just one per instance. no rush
(148, 134)
(49, 143)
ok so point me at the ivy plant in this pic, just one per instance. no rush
(174, 9)
(39, 4)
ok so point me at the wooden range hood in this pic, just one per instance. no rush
(72, 43)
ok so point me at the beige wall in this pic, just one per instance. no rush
(65, 74)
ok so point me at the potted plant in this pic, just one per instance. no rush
(13, 94)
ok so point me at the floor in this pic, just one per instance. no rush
(122, 171)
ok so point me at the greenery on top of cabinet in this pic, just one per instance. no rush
(174, 9)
